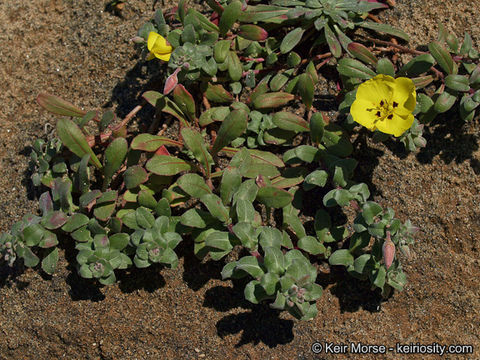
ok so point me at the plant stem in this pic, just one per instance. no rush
(399, 47)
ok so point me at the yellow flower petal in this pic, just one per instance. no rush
(404, 95)
(150, 56)
(377, 89)
(158, 46)
(164, 57)
(362, 115)
(396, 126)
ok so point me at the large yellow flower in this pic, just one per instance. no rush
(385, 104)
(158, 47)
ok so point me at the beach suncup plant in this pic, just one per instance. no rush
(238, 162)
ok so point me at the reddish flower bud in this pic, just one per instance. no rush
(171, 82)
(388, 251)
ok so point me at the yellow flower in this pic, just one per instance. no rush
(158, 47)
(385, 104)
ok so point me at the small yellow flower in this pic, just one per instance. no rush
(158, 47)
(385, 104)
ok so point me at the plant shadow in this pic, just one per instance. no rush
(9, 276)
(449, 138)
(260, 324)
(353, 294)
(127, 94)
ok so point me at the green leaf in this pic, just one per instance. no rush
(250, 265)
(385, 66)
(290, 177)
(315, 178)
(75, 222)
(235, 69)
(442, 57)
(230, 14)
(444, 102)
(184, 100)
(82, 177)
(311, 245)
(146, 199)
(87, 198)
(274, 260)
(355, 69)
(379, 277)
(278, 81)
(317, 126)
(336, 141)
(425, 102)
(195, 143)
(369, 210)
(58, 106)
(254, 292)
(305, 153)
(269, 282)
(247, 191)
(134, 176)
(362, 53)
(340, 197)
(221, 50)
(422, 81)
(54, 220)
(164, 104)
(245, 211)
(466, 45)
(246, 233)
(232, 127)
(231, 180)
(82, 234)
(341, 257)
(332, 41)
(306, 87)
(215, 207)
(384, 28)
(33, 234)
(219, 240)
(144, 218)
(218, 94)
(167, 165)
(49, 240)
(49, 263)
(418, 65)
(252, 32)
(291, 40)
(265, 13)
(289, 121)
(457, 83)
(272, 100)
(274, 197)
(204, 22)
(29, 258)
(151, 143)
(261, 89)
(119, 241)
(73, 138)
(194, 185)
(194, 218)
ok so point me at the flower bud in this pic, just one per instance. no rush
(388, 251)
(171, 83)
(137, 40)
